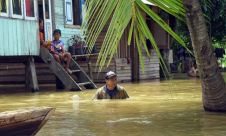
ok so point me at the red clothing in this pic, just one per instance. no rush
(41, 37)
(28, 8)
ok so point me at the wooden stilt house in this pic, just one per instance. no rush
(19, 40)
(19, 45)
(19, 28)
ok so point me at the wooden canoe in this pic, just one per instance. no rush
(24, 122)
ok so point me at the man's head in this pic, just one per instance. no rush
(111, 80)
(56, 34)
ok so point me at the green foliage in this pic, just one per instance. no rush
(182, 30)
(218, 19)
(219, 43)
(215, 14)
(121, 14)
(76, 40)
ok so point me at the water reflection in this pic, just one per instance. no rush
(169, 108)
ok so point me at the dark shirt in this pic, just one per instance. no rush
(104, 93)
(111, 93)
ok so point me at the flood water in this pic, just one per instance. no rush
(169, 108)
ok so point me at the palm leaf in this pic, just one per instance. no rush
(173, 7)
(145, 30)
(123, 13)
(115, 31)
(96, 18)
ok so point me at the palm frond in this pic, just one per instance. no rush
(173, 7)
(148, 35)
(97, 14)
(207, 7)
(119, 22)
(123, 13)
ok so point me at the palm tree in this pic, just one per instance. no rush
(213, 84)
(129, 13)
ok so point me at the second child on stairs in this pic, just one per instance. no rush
(57, 49)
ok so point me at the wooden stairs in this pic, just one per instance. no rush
(75, 81)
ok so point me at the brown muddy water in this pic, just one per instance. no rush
(166, 108)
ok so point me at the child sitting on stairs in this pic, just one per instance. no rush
(57, 49)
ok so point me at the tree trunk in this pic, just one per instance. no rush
(213, 85)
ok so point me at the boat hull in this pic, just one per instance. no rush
(26, 122)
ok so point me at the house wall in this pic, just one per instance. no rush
(124, 62)
(18, 37)
(58, 16)
(98, 76)
(123, 69)
(11, 73)
(162, 38)
(151, 67)
(123, 59)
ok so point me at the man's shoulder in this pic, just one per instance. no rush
(101, 89)
(120, 88)
(122, 92)
(100, 93)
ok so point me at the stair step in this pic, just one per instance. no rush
(85, 83)
(75, 71)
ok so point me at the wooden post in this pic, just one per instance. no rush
(90, 69)
(31, 81)
(165, 73)
(135, 63)
(59, 84)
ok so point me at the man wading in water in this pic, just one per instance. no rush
(111, 90)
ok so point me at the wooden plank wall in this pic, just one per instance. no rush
(123, 69)
(161, 36)
(123, 59)
(18, 37)
(11, 73)
(98, 76)
(151, 67)
(15, 73)
(123, 48)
